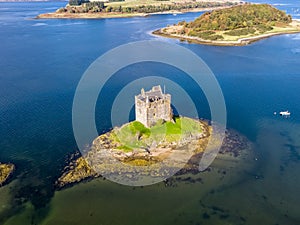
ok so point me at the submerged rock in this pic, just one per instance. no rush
(6, 170)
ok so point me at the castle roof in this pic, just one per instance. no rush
(154, 94)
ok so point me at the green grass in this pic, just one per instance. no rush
(136, 127)
(136, 135)
(125, 148)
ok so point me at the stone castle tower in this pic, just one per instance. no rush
(153, 105)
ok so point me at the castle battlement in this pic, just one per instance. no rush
(153, 105)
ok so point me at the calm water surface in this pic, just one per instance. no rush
(41, 63)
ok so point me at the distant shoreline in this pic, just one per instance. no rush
(105, 15)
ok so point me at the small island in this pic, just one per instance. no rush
(6, 170)
(86, 9)
(147, 143)
(234, 26)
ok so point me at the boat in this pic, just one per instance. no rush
(285, 113)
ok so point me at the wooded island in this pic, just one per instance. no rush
(237, 25)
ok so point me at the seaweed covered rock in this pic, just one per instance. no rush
(6, 170)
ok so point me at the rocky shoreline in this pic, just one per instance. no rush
(6, 171)
(94, 164)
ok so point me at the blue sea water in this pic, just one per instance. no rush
(42, 61)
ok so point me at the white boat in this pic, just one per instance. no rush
(285, 113)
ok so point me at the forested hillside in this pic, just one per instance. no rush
(236, 21)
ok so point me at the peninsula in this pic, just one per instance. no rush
(147, 144)
(234, 26)
(6, 171)
(79, 9)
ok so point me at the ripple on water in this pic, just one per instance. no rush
(39, 24)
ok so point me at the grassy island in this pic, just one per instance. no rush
(6, 171)
(130, 8)
(137, 145)
(237, 25)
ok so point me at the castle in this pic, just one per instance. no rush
(153, 105)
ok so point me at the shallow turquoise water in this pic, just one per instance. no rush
(42, 61)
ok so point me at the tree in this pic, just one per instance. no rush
(77, 2)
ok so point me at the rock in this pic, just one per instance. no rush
(6, 170)
(77, 171)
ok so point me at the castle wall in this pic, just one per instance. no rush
(140, 111)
